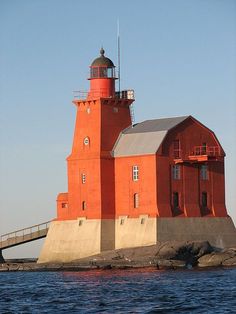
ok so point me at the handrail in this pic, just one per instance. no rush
(102, 92)
(206, 150)
(21, 232)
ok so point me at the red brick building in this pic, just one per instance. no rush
(133, 185)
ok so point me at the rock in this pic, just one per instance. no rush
(230, 262)
(170, 264)
(184, 251)
(218, 258)
(13, 267)
(4, 267)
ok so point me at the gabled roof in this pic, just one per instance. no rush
(145, 137)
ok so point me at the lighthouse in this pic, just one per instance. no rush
(133, 185)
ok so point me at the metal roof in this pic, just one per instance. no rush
(102, 60)
(164, 124)
(144, 138)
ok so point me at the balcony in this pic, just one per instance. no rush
(198, 154)
(102, 93)
(205, 153)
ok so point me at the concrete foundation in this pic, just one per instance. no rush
(132, 232)
(219, 231)
(71, 240)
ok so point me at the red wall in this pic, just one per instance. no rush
(125, 187)
(101, 124)
(190, 186)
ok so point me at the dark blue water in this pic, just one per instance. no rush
(121, 291)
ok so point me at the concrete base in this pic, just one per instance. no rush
(71, 240)
(219, 231)
(134, 232)
(1, 258)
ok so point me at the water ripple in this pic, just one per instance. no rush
(121, 291)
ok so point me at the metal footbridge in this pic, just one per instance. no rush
(25, 235)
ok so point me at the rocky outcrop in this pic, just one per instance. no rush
(181, 254)
(225, 257)
(167, 255)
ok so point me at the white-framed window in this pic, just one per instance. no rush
(204, 172)
(176, 174)
(135, 173)
(136, 200)
(83, 178)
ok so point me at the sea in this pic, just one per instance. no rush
(119, 291)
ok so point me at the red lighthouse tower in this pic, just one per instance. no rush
(101, 116)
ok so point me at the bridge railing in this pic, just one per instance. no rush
(21, 233)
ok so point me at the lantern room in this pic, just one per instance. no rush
(102, 77)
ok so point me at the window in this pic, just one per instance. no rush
(83, 205)
(136, 200)
(86, 141)
(175, 199)
(204, 199)
(103, 72)
(135, 173)
(204, 148)
(64, 205)
(94, 72)
(176, 146)
(204, 172)
(83, 178)
(176, 172)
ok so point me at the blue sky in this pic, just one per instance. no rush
(178, 56)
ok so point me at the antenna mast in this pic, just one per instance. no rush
(118, 48)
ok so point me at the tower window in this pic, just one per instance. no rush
(103, 71)
(83, 178)
(204, 172)
(135, 173)
(176, 200)
(176, 172)
(83, 205)
(64, 205)
(86, 140)
(136, 200)
(94, 72)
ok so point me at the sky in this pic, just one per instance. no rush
(178, 56)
